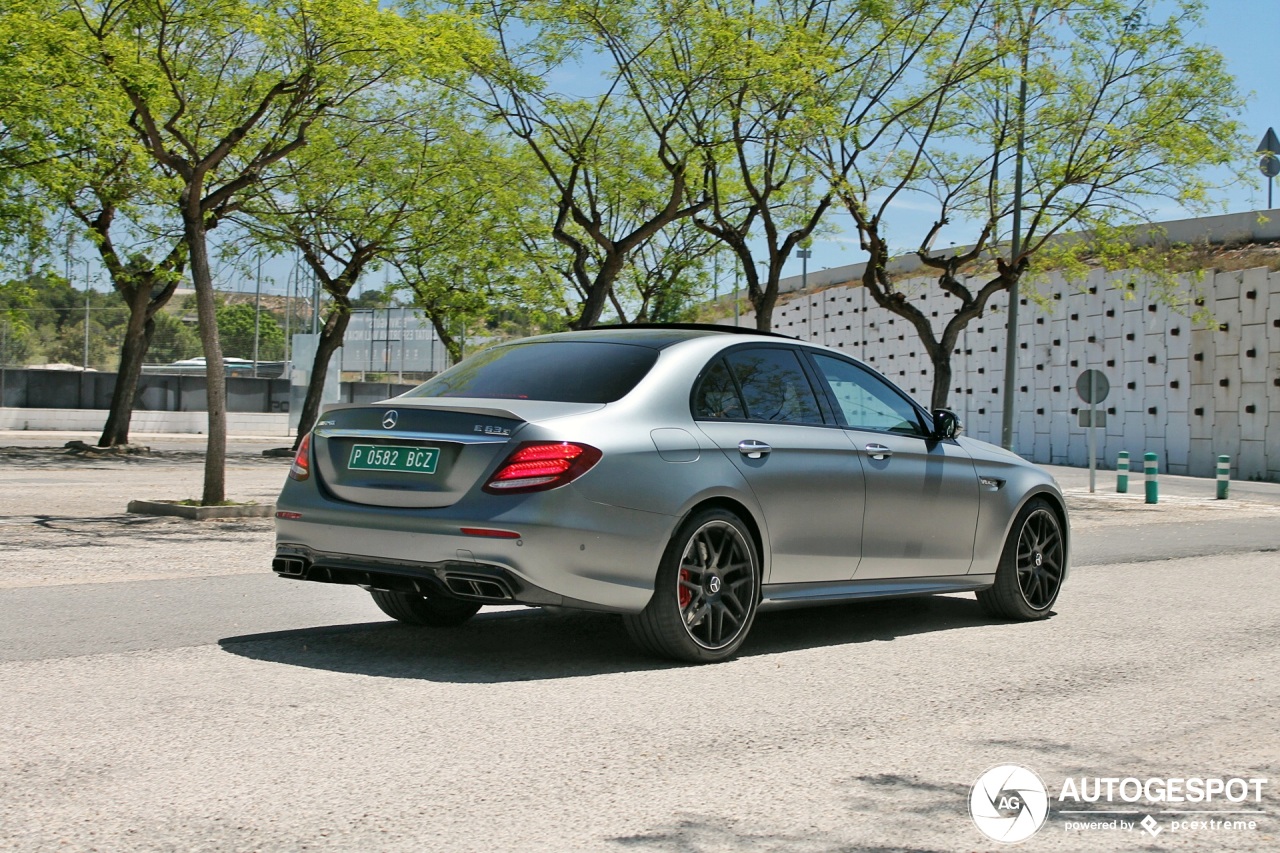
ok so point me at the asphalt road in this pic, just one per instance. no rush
(159, 690)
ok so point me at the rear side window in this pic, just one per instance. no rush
(717, 396)
(555, 371)
(774, 386)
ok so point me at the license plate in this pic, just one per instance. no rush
(375, 457)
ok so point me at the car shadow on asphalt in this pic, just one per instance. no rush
(533, 645)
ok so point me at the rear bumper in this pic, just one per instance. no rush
(570, 551)
(466, 581)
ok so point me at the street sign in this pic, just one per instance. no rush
(1092, 386)
(1093, 418)
(1270, 142)
(1270, 165)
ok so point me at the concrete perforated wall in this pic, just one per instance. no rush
(1186, 392)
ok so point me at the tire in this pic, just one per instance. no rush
(418, 610)
(705, 593)
(1029, 575)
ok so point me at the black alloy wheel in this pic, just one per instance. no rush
(706, 591)
(1031, 567)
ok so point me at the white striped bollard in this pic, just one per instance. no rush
(1150, 469)
(1122, 472)
(1224, 476)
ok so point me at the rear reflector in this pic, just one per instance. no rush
(292, 516)
(535, 466)
(491, 534)
(301, 467)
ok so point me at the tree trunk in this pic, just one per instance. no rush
(132, 354)
(143, 306)
(215, 459)
(331, 337)
(598, 292)
(941, 378)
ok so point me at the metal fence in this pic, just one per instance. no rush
(396, 344)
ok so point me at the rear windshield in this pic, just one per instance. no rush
(557, 371)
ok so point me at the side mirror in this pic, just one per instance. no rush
(946, 424)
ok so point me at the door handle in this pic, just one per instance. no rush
(753, 449)
(878, 451)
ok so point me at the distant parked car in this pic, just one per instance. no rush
(675, 475)
(196, 367)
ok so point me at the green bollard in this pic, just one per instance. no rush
(1150, 468)
(1122, 472)
(1224, 476)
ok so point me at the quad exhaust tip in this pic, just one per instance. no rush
(294, 567)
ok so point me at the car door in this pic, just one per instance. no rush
(759, 405)
(922, 493)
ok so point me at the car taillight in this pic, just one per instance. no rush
(301, 467)
(538, 465)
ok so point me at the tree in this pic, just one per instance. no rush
(622, 161)
(79, 158)
(780, 66)
(479, 258)
(1094, 108)
(240, 325)
(223, 90)
(348, 202)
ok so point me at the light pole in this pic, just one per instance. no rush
(804, 255)
(86, 315)
(257, 316)
(1015, 249)
(737, 283)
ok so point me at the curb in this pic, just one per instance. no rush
(201, 513)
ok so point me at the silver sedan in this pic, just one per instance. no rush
(676, 475)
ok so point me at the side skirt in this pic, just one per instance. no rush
(878, 588)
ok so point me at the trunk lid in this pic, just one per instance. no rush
(420, 453)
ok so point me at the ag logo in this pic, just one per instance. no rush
(1008, 803)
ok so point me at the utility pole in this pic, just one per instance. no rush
(257, 316)
(86, 315)
(1015, 249)
(803, 255)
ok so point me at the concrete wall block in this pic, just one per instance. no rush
(1177, 338)
(1203, 360)
(1227, 285)
(1133, 373)
(1202, 459)
(1255, 358)
(1273, 306)
(1253, 412)
(1272, 448)
(1226, 404)
(1177, 436)
(1226, 437)
(1178, 371)
(1135, 437)
(1255, 296)
(1252, 461)
(1156, 444)
(1202, 412)
(1226, 339)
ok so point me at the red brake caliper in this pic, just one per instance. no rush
(685, 596)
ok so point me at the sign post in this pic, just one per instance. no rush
(1093, 387)
(1270, 163)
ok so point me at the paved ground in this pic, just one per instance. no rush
(159, 690)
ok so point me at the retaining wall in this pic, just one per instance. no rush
(1184, 391)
